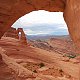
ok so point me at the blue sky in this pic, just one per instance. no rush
(42, 23)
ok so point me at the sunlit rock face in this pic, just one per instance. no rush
(72, 18)
(11, 10)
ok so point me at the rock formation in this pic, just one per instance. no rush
(21, 62)
(11, 10)
(72, 18)
(22, 36)
(12, 32)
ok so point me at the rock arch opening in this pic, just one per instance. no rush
(19, 35)
(11, 10)
(42, 22)
(20, 30)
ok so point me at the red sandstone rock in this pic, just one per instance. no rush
(12, 32)
(66, 59)
(52, 60)
(22, 36)
(75, 61)
(11, 10)
(72, 18)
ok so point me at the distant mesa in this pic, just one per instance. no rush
(17, 34)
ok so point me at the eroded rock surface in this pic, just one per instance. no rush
(20, 64)
(11, 10)
(12, 32)
(72, 18)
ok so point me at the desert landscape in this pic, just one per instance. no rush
(51, 59)
(54, 58)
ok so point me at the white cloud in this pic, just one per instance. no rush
(32, 23)
(42, 16)
(29, 32)
(62, 26)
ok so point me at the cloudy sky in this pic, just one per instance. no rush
(42, 23)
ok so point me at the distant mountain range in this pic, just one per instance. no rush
(44, 37)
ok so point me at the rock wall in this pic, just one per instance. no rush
(72, 18)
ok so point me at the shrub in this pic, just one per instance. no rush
(71, 56)
(35, 71)
(41, 65)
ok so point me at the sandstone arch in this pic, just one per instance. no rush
(11, 10)
(14, 33)
(22, 36)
